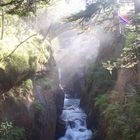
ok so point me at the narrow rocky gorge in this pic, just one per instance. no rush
(69, 70)
(35, 105)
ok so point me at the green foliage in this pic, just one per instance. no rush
(100, 78)
(28, 58)
(22, 7)
(10, 132)
(28, 84)
(129, 57)
(101, 101)
(38, 107)
(122, 119)
(130, 39)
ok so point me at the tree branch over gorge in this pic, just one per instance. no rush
(100, 6)
(18, 46)
(21, 44)
(14, 2)
(2, 3)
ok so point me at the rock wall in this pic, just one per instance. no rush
(35, 108)
(110, 48)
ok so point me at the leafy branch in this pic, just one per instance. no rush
(21, 7)
(18, 46)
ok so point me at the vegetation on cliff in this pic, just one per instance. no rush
(28, 75)
(10, 132)
(113, 83)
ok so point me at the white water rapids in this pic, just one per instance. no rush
(75, 121)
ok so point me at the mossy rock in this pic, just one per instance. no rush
(16, 64)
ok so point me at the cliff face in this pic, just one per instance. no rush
(111, 99)
(51, 99)
(99, 81)
(32, 103)
(44, 122)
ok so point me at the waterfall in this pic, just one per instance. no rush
(75, 121)
(59, 74)
(60, 78)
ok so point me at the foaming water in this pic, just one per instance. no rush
(75, 121)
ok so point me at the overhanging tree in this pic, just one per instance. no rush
(21, 7)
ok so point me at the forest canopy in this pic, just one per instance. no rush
(22, 7)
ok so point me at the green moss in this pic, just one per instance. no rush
(42, 82)
(16, 64)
